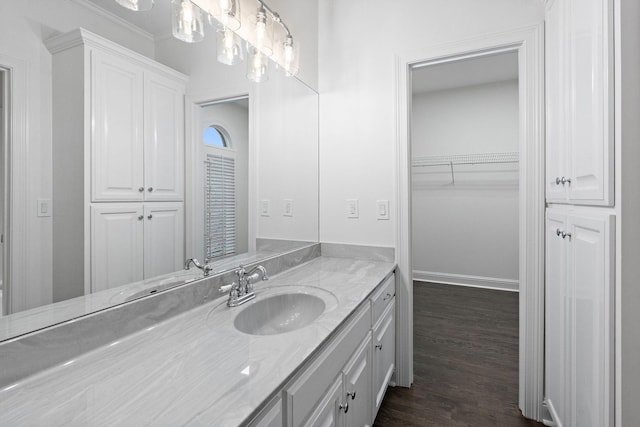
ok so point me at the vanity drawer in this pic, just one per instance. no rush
(304, 392)
(382, 298)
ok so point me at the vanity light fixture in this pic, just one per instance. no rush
(263, 42)
(257, 65)
(137, 5)
(186, 21)
(230, 51)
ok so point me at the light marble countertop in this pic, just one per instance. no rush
(194, 369)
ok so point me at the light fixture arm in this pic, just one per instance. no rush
(274, 15)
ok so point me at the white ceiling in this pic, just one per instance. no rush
(156, 22)
(465, 72)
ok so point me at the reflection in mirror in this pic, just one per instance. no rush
(274, 153)
(3, 126)
(224, 176)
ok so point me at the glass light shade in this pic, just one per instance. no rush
(187, 21)
(229, 46)
(263, 32)
(137, 5)
(290, 56)
(257, 65)
(229, 14)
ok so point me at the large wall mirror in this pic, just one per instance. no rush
(258, 143)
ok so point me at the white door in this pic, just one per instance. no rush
(116, 245)
(358, 386)
(556, 315)
(116, 139)
(556, 78)
(590, 251)
(328, 411)
(591, 150)
(164, 139)
(163, 238)
(384, 353)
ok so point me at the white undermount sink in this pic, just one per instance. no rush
(277, 314)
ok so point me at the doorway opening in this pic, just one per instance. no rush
(465, 221)
(528, 44)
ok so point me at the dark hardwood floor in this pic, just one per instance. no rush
(465, 361)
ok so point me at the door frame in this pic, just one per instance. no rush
(528, 42)
(18, 289)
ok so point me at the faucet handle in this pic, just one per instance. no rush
(227, 288)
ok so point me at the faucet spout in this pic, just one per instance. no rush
(205, 268)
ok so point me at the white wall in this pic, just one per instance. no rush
(627, 205)
(469, 228)
(287, 159)
(358, 43)
(23, 27)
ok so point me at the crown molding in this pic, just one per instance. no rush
(110, 16)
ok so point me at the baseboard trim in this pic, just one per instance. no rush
(465, 280)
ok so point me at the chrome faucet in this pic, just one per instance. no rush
(241, 290)
(206, 269)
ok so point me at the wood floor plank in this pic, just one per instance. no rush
(465, 361)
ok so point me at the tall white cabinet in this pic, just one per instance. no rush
(579, 82)
(579, 307)
(118, 165)
(580, 220)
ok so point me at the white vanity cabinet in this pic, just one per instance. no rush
(132, 241)
(343, 385)
(579, 82)
(579, 318)
(118, 138)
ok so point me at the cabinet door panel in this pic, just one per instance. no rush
(556, 313)
(116, 245)
(384, 353)
(163, 238)
(164, 139)
(591, 147)
(358, 382)
(591, 339)
(116, 138)
(328, 412)
(556, 78)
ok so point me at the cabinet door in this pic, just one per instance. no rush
(164, 139)
(384, 353)
(116, 138)
(590, 251)
(163, 238)
(556, 100)
(116, 245)
(591, 147)
(358, 382)
(329, 410)
(556, 315)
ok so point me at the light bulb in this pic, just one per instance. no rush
(290, 56)
(229, 49)
(257, 65)
(187, 21)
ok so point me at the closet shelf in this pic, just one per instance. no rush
(466, 159)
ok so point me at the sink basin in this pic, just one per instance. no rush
(278, 314)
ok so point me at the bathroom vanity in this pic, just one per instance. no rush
(320, 350)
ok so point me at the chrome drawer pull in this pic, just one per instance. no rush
(345, 407)
(351, 394)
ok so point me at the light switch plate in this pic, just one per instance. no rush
(264, 208)
(288, 207)
(44, 207)
(382, 209)
(352, 208)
